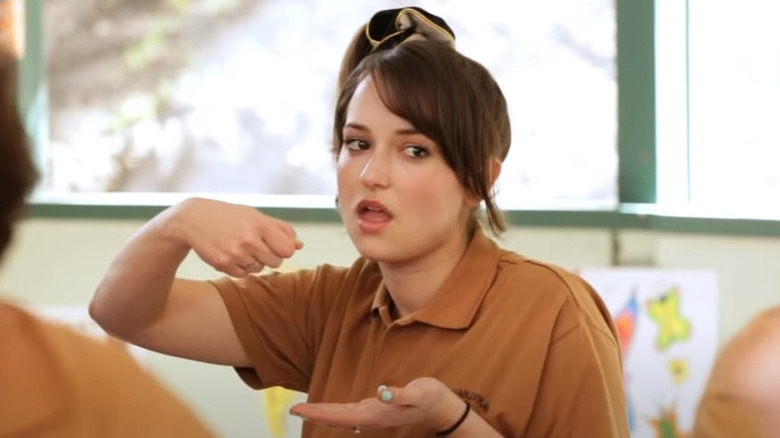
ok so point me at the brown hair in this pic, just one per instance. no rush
(17, 171)
(448, 97)
(359, 47)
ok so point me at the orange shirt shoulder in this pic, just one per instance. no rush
(57, 383)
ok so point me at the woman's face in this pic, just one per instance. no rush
(399, 199)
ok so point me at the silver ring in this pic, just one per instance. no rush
(356, 430)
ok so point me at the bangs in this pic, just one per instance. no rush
(417, 94)
(409, 100)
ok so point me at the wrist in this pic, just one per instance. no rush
(456, 425)
(169, 224)
(449, 412)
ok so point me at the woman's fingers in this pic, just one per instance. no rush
(280, 243)
(252, 266)
(366, 414)
(433, 401)
(386, 394)
(235, 239)
(233, 270)
(290, 231)
(423, 401)
(417, 392)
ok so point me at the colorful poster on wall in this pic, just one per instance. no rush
(667, 325)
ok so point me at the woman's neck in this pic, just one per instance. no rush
(412, 283)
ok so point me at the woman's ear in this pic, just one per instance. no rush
(472, 200)
(494, 170)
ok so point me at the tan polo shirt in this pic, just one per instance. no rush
(529, 345)
(742, 397)
(57, 383)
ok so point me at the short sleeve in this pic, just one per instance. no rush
(581, 391)
(278, 319)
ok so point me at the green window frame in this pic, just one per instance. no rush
(637, 168)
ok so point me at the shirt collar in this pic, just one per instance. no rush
(456, 302)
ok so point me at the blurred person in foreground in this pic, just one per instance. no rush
(54, 381)
(742, 397)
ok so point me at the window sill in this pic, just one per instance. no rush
(320, 209)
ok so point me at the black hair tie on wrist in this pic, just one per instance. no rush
(391, 27)
(457, 424)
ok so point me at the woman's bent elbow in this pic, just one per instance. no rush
(104, 316)
(97, 313)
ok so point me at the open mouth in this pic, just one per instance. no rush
(372, 214)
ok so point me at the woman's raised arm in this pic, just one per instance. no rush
(141, 301)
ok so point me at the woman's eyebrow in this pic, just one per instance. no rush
(402, 131)
(356, 126)
(408, 131)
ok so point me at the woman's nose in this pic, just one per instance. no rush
(376, 171)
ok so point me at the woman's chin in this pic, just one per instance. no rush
(373, 252)
(375, 246)
(378, 251)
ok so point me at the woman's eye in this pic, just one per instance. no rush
(416, 151)
(355, 144)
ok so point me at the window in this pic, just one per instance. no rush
(734, 62)
(235, 96)
(719, 105)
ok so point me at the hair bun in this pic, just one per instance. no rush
(391, 27)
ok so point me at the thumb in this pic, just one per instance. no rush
(393, 395)
(385, 394)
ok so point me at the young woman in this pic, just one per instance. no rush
(434, 330)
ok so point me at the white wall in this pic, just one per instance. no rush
(59, 262)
